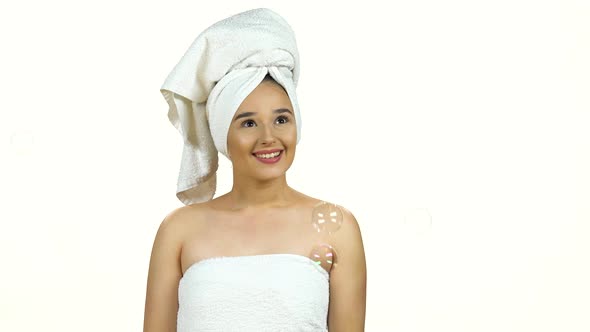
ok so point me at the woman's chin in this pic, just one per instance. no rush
(270, 175)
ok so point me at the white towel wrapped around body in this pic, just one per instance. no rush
(272, 292)
(223, 65)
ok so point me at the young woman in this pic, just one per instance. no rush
(262, 257)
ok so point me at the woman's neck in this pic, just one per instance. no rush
(251, 194)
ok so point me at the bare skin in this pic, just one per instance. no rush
(224, 231)
(262, 214)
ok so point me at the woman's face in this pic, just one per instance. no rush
(264, 122)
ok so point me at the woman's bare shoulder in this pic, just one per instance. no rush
(185, 216)
(311, 201)
(307, 200)
(335, 207)
(315, 201)
(347, 217)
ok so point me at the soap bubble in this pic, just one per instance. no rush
(326, 217)
(324, 255)
(22, 142)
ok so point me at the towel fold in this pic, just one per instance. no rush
(223, 65)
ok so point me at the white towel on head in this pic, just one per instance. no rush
(219, 70)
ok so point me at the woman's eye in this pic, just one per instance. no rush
(284, 118)
(250, 123)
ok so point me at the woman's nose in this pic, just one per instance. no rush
(267, 135)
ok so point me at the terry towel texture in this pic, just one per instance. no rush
(223, 65)
(260, 293)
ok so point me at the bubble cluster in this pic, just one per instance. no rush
(326, 217)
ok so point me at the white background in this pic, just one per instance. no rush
(453, 130)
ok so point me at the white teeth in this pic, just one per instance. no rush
(268, 155)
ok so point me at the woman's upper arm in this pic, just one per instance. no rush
(348, 279)
(161, 302)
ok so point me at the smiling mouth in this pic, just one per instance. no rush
(268, 155)
(269, 158)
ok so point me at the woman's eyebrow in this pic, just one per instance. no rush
(277, 111)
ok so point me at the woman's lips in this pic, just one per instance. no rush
(270, 160)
